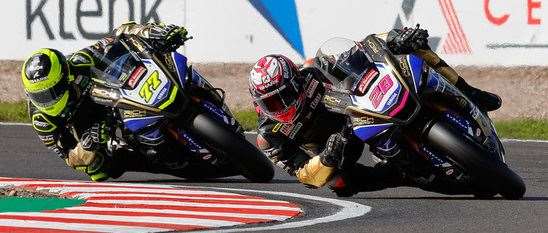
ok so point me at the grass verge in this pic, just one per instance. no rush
(523, 128)
(14, 112)
(518, 128)
(247, 118)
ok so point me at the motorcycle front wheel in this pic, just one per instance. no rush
(252, 163)
(487, 174)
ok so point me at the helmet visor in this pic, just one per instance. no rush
(278, 101)
(50, 96)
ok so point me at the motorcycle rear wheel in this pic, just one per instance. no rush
(486, 173)
(252, 163)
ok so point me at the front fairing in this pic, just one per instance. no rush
(134, 82)
(370, 89)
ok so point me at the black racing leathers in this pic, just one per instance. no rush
(293, 146)
(62, 133)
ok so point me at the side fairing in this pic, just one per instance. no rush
(366, 132)
(387, 95)
(416, 64)
(181, 66)
(136, 124)
(152, 88)
(383, 93)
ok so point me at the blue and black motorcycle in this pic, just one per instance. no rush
(158, 97)
(435, 123)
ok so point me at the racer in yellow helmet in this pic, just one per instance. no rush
(45, 78)
(66, 120)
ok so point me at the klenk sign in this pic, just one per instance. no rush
(94, 19)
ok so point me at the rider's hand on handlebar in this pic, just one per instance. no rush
(407, 40)
(168, 37)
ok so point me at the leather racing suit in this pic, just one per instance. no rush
(82, 132)
(296, 147)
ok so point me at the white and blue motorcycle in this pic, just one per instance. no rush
(439, 125)
(158, 96)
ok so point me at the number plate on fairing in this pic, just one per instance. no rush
(150, 89)
(382, 95)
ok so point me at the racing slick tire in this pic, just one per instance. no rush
(486, 173)
(252, 163)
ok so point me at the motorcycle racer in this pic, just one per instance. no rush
(298, 133)
(78, 130)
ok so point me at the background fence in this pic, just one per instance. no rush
(482, 32)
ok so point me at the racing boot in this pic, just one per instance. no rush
(340, 187)
(485, 101)
(361, 178)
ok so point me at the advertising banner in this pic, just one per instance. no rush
(481, 32)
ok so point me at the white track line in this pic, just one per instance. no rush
(15, 124)
(91, 189)
(349, 210)
(523, 140)
(64, 187)
(254, 133)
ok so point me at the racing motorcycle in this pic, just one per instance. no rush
(435, 123)
(157, 96)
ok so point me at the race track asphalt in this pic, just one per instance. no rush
(393, 210)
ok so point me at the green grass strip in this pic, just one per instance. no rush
(26, 204)
(518, 128)
(247, 118)
(14, 112)
(523, 129)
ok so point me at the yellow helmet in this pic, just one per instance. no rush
(45, 76)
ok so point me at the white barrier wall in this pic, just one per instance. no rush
(482, 32)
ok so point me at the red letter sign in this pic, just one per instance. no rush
(530, 6)
(495, 20)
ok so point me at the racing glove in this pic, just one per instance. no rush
(88, 157)
(332, 154)
(163, 38)
(90, 162)
(317, 171)
(407, 40)
(167, 38)
(96, 136)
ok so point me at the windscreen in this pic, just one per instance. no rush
(343, 58)
(118, 70)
